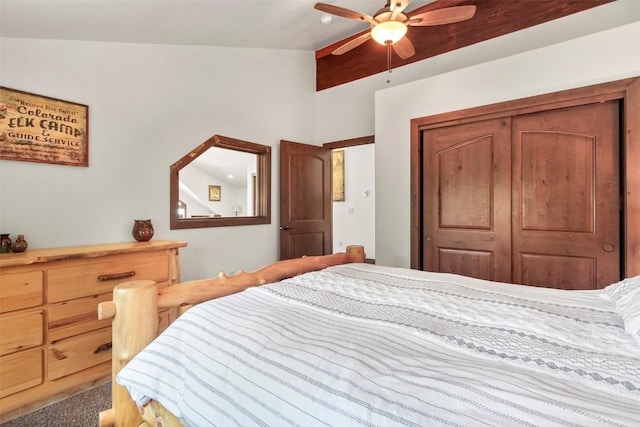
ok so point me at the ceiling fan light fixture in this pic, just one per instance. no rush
(388, 32)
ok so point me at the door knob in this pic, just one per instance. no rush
(284, 227)
(607, 247)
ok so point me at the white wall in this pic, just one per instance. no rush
(371, 106)
(606, 56)
(348, 111)
(149, 105)
(354, 218)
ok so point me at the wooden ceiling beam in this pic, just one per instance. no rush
(493, 18)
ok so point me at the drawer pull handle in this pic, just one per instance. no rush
(115, 276)
(103, 347)
(58, 354)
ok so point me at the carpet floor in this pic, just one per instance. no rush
(79, 410)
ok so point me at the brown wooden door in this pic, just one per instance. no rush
(532, 200)
(305, 200)
(467, 200)
(566, 198)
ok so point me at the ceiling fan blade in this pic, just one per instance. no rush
(345, 13)
(448, 15)
(397, 6)
(352, 44)
(404, 48)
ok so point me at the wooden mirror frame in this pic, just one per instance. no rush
(263, 199)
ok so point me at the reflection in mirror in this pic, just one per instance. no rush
(224, 181)
(218, 183)
(182, 209)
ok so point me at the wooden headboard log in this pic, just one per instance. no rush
(135, 306)
(203, 290)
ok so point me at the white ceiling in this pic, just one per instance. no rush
(271, 24)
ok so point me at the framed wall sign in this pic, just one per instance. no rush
(337, 164)
(36, 128)
(214, 193)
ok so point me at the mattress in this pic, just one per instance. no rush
(361, 344)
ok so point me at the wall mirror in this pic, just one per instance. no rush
(222, 182)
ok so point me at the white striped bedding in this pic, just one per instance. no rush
(367, 345)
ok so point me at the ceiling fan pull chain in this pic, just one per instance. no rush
(388, 62)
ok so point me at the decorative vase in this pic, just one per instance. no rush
(142, 230)
(5, 243)
(19, 245)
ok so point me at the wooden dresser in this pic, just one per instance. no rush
(51, 341)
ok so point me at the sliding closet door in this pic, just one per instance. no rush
(566, 198)
(533, 199)
(467, 200)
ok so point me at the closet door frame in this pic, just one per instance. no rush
(627, 91)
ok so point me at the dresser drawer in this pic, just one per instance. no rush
(69, 318)
(51, 341)
(99, 277)
(20, 290)
(81, 352)
(21, 331)
(20, 371)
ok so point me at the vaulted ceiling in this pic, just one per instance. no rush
(275, 24)
(493, 18)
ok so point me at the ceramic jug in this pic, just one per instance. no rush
(19, 245)
(142, 230)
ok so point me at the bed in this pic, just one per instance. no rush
(349, 343)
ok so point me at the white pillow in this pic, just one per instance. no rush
(626, 297)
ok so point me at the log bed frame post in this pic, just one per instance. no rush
(132, 329)
(135, 306)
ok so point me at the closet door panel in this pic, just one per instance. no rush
(558, 176)
(467, 182)
(467, 263)
(561, 270)
(566, 229)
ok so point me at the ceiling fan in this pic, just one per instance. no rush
(389, 25)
